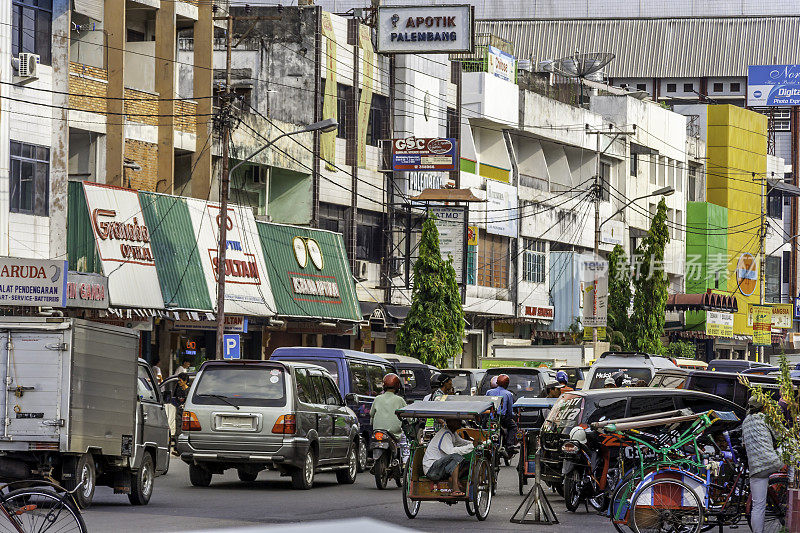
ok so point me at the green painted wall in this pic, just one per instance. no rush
(289, 197)
(706, 253)
(81, 250)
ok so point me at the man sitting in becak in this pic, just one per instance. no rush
(445, 452)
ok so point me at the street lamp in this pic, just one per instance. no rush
(327, 125)
(663, 191)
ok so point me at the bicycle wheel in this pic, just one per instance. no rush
(620, 502)
(35, 510)
(666, 506)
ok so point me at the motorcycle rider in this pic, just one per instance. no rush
(506, 410)
(442, 386)
(563, 379)
(382, 413)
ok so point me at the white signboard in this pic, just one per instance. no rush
(452, 234)
(33, 282)
(501, 65)
(417, 181)
(501, 208)
(247, 288)
(425, 29)
(123, 244)
(233, 323)
(612, 232)
(595, 301)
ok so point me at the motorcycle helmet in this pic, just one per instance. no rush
(578, 434)
(503, 380)
(493, 382)
(619, 378)
(391, 381)
(562, 377)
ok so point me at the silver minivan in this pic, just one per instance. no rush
(254, 415)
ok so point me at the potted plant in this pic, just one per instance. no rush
(776, 414)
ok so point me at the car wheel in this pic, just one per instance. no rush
(83, 474)
(303, 477)
(142, 481)
(199, 476)
(362, 455)
(246, 475)
(348, 475)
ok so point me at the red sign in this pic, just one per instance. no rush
(545, 311)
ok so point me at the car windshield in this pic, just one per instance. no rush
(632, 376)
(522, 384)
(565, 413)
(258, 386)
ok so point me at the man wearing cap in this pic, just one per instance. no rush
(762, 459)
(506, 407)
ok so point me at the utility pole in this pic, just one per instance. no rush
(761, 257)
(222, 221)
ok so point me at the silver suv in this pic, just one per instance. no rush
(253, 415)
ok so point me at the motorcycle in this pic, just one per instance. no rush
(387, 457)
(589, 474)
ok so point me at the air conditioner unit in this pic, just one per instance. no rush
(28, 65)
(361, 270)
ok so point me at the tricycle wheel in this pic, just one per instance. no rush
(411, 507)
(470, 509)
(482, 490)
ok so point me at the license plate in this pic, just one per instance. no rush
(241, 423)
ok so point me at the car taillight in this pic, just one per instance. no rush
(189, 422)
(285, 425)
(569, 447)
(379, 436)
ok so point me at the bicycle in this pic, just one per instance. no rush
(39, 509)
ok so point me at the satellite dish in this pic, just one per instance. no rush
(583, 66)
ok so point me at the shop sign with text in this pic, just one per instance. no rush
(762, 325)
(33, 282)
(123, 243)
(425, 29)
(233, 324)
(432, 154)
(782, 316)
(450, 221)
(501, 64)
(545, 312)
(719, 324)
(87, 290)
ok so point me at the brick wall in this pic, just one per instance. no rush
(89, 81)
(141, 107)
(186, 116)
(145, 155)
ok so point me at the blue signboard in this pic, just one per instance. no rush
(773, 85)
(797, 308)
(424, 154)
(231, 347)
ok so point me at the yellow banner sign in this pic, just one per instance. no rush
(365, 102)
(762, 325)
(472, 235)
(329, 101)
(588, 334)
(782, 316)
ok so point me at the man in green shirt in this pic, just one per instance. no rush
(382, 413)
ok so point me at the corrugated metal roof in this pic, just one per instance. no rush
(277, 241)
(174, 246)
(81, 249)
(644, 48)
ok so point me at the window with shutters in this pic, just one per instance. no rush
(533, 260)
(493, 261)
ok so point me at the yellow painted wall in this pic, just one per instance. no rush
(737, 148)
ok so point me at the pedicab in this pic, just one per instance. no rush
(530, 414)
(481, 429)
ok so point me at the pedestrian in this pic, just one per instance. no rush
(157, 370)
(183, 368)
(181, 390)
(762, 459)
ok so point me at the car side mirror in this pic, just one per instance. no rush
(350, 397)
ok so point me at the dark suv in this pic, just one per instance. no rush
(587, 406)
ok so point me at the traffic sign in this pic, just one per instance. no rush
(231, 347)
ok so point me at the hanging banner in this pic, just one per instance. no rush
(719, 324)
(247, 287)
(329, 100)
(501, 209)
(762, 325)
(365, 102)
(33, 282)
(782, 316)
(122, 240)
(452, 236)
(595, 298)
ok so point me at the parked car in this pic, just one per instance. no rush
(359, 376)
(415, 375)
(733, 365)
(254, 415)
(728, 385)
(692, 364)
(524, 382)
(465, 380)
(669, 378)
(576, 375)
(635, 365)
(587, 406)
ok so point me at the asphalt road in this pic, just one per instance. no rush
(228, 502)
